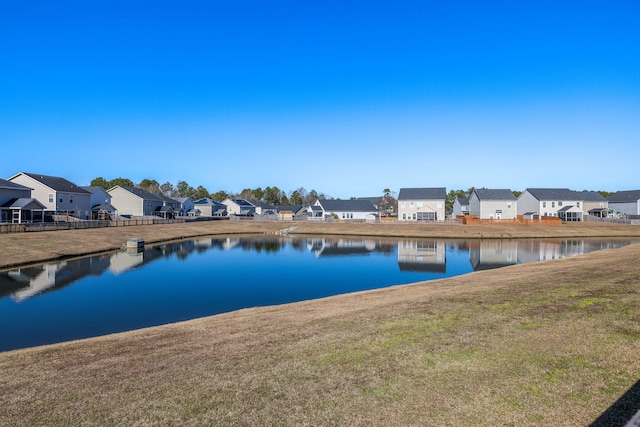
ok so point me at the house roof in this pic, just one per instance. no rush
(8, 185)
(23, 203)
(143, 194)
(293, 208)
(264, 205)
(464, 201)
(631, 196)
(487, 194)
(210, 202)
(347, 205)
(553, 194)
(591, 196)
(56, 183)
(436, 193)
(242, 203)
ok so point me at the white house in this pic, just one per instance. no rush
(58, 195)
(493, 204)
(17, 205)
(186, 205)
(422, 204)
(625, 202)
(559, 202)
(344, 209)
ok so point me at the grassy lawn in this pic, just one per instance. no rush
(550, 343)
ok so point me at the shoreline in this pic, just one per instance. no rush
(20, 249)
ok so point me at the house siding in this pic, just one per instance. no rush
(79, 203)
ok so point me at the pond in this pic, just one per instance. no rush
(120, 291)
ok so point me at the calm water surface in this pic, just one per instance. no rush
(121, 291)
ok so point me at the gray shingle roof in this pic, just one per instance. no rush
(210, 202)
(12, 185)
(464, 201)
(630, 196)
(437, 193)
(143, 194)
(553, 194)
(57, 183)
(591, 196)
(22, 203)
(347, 205)
(487, 194)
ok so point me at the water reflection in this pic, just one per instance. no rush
(416, 255)
(182, 280)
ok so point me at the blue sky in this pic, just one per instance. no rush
(346, 98)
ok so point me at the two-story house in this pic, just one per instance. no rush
(135, 202)
(557, 202)
(58, 195)
(493, 204)
(422, 204)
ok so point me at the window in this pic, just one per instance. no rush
(439, 205)
(553, 204)
(544, 205)
(404, 216)
(414, 216)
(420, 204)
(508, 205)
(61, 198)
(402, 205)
(411, 204)
(559, 203)
(70, 198)
(50, 197)
(578, 204)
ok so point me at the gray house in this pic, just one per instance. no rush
(422, 204)
(240, 207)
(17, 205)
(493, 204)
(595, 204)
(559, 202)
(461, 206)
(58, 195)
(625, 202)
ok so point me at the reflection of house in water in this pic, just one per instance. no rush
(341, 247)
(331, 247)
(126, 260)
(540, 250)
(422, 255)
(31, 281)
(488, 254)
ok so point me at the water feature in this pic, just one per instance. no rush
(126, 290)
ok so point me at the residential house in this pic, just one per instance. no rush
(557, 202)
(210, 208)
(186, 206)
(625, 202)
(135, 202)
(461, 206)
(595, 204)
(101, 207)
(17, 205)
(384, 204)
(344, 209)
(265, 209)
(422, 204)
(58, 195)
(240, 207)
(493, 204)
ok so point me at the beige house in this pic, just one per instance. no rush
(58, 195)
(422, 204)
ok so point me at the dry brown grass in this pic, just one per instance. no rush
(553, 343)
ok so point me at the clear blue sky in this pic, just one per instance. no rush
(346, 98)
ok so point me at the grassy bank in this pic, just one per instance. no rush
(552, 343)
